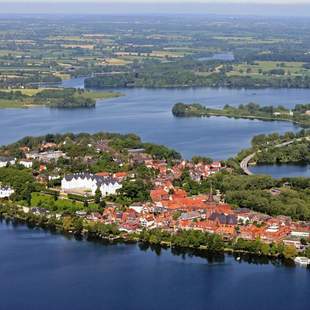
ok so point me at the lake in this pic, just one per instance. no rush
(147, 112)
(44, 271)
(281, 171)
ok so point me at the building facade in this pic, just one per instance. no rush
(88, 181)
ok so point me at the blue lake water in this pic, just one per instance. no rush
(147, 112)
(281, 171)
(219, 56)
(43, 271)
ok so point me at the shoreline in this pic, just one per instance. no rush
(132, 238)
(107, 95)
(249, 117)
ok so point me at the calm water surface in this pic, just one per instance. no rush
(147, 112)
(43, 271)
(281, 171)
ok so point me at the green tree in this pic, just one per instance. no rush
(289, 251)
(98, 195)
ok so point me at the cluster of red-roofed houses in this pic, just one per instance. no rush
(171, 209)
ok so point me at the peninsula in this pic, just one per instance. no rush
(299, 115)
(52, 97)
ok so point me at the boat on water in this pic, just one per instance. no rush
(303, 261)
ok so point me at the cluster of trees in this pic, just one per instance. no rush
(184, 239)
(298, 152)
(161, 152)
(21, 181)
(137, 190)
(290, 202)
(250, 110)
(77, 145)
(185, 110)
(189, 72)
(64, 98)
(12, 95)
(66, 224)
(258, 247)
(253, 192)
(263, 140)
(302, 108)
(55, 98)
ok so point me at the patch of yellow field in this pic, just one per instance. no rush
(86, 46)
(114, 61)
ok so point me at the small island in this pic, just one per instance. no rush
(299, 115)
(52, 97)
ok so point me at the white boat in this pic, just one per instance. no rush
(303, 261)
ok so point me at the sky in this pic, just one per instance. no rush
(126, 7)
(292, 2)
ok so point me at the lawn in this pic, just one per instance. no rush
(60, 205)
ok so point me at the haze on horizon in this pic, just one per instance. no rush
(130, 7)
(292, 2)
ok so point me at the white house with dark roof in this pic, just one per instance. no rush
(4, 161)
(89, 181)
(6, 191)
(27, 163)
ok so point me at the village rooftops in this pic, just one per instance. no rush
(223, 219)
(6, 159)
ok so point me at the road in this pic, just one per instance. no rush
(244, 164)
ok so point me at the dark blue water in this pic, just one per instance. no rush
(43, 271)
(281, 171)
(147, 112)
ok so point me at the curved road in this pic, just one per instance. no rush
(244, 164)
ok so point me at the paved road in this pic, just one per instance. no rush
(244, 165)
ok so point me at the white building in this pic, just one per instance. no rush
(4, 161)
(46, 156)
(26, 163)
(88, 181)
(6, 191)
(136, 207)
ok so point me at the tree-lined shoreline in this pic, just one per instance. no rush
(300, 115)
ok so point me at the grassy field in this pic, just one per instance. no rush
(263, 67)
(48, 202)
(101, 95)
(247, 40)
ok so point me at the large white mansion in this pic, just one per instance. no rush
(89, 181)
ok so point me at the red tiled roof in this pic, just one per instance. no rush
(103, 174)
(120, 174)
